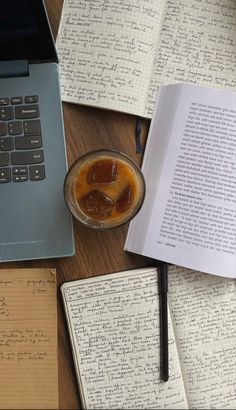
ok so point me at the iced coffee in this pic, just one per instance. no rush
(104, 189)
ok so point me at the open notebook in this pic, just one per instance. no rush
(113, 323)
(115, 54)
(28, 339)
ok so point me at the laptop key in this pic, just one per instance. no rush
(29, 99)
(26, 111)
(32, 127)
(20, 178)
(28, 142)
(19, 170)
(3, 129)
(15, 127)
(37, 172)
(27, 157)
(16, 100)
(4, 101)
(4, 159)
(5, 175)
(6, 113)
(6, 144)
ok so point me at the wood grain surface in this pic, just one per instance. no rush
(97, 253)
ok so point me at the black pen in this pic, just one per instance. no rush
(163, 290)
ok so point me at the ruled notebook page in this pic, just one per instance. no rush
(28, 339)
(203, 311)
(197, 44)
(114, 327)
(106, 50)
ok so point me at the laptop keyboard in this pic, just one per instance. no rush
(21, 154)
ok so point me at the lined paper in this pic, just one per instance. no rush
(203, 311)
(197, 44)
(114, 328)
(115, 55)
(113, 324)
(106, 50)
(28, 339)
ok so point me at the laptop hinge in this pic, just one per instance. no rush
(17, 68)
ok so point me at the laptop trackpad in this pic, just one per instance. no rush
(32, 219)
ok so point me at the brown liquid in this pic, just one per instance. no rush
(106, 189)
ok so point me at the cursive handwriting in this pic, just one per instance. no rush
(203, 309)
(106, 50)
(28, 338)
(116, 334)
(197, 44)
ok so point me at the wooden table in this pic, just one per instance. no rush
(87, 129)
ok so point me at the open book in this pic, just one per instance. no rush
(114, 55)
(113, 323)
(189, 214)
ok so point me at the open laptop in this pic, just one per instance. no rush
(34, 220)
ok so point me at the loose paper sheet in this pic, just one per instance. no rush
(28, 339)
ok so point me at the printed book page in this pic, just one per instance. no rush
(191, 220)
(114, 327)
(203, 311)
(28, 339)
(106, 50)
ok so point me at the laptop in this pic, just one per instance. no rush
(34, 220)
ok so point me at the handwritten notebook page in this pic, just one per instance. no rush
(28, 339)
(203, 310)
(114, 324)
(197, 44)
(106, 50)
